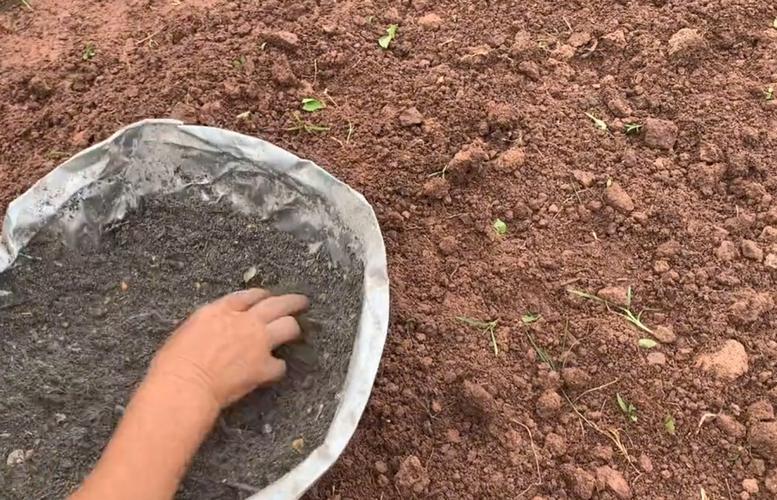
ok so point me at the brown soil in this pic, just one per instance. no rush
(80, 327)
(683, 211)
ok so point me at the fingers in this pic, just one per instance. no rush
(282, 331)
(276, 369)
(273, 308)
(243, 300)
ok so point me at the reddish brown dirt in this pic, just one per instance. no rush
(501, 90)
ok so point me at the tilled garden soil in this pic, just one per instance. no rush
(681, 211)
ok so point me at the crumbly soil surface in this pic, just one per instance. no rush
(682, 210)
(80, 327)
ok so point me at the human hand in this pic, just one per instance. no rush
(225, 348)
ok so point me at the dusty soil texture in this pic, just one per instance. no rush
(81, 326)
(682, 209)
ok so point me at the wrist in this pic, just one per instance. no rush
(184, 390)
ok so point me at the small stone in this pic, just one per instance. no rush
(615, 39)
(669, 248)
(476, 56)
(771, 481)
(645, 463)
(664, 334)
(685, 42)
(184, 112)
(59, 417)
(478, 402)
(656, 358)
(17, 457)
(410, 117)
(602, 451)
(555, 444)
(530, 70)
(430, 21)
(614, 481)
(412, 477)
(467, 161)
(453, 436)
(661, 266)
(579, 481)
(618, 295)
(575, 378)
(729, 362)
(768, 235)
(586, 179)
(761, 410)
(619, 107)
(771, 261)
(549, 403)
(726, 251)
(381, 467)
(281, 39)
(618, 198)
(660, 134)
(448, 245)
(750, 486)
(436, 188)
(730, 427)
(579, 39)
(266, 429)
(512, 159)
(752, 251)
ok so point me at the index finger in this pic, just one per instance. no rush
(273, 308)
(243, 300)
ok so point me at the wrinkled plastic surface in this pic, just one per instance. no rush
(103, 183)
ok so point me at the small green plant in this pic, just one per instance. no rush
(239, 62)
(632, 128)
(541, 352)
(769, 93)
(669, 424)
(89, 52)
(530, 318)
(301, 125)
(484, 327)
(600, 124)
(624, 312)
(647, 343)
(391, 34)
(311, 104)
(500, 227)
(627, 408)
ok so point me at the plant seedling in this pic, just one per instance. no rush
(391, 34)
(624, 312)
(530, 318)
(89, 52)
(239, 62)
(627, 408)
(669, 424)
(632, 128)
(600, 124)
(311, 104)
(769, 93)
(647, 343)
(484, 327)
(541, 353)
(500, 227)
(305, 126)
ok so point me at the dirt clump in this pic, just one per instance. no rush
(660, 134)
(411, 478)
(614, 481)
(467, 161)
(728, 362)
(686, 42)
(477, 401)
(763, 439)
(410, 117)
(618, 198)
